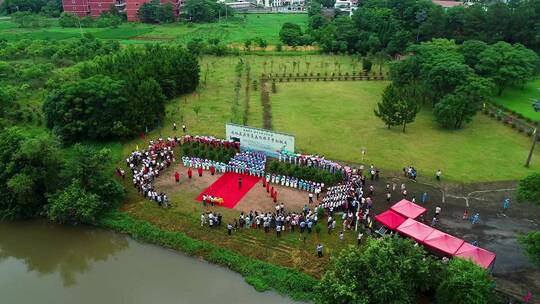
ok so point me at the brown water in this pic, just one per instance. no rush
(45, 263)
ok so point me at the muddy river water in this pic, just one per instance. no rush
(46, 263)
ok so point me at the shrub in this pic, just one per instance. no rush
(529, 189)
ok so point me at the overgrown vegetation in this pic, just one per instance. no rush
(465, 282)
(205, 11)
(110, 19)
(36, 180)
(388, 270)
(155, 12)
(530, 243)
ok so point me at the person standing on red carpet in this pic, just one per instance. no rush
(177, 176)
(199, 170)
(189, 173)
(239, 182)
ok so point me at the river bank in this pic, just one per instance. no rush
(261, 275)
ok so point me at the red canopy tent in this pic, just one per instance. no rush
(479, 256)
(443, 242)
(415, 230)
(408, 209)
(390, 219)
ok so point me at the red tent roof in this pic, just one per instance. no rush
(415, 230)
(390, 219)
(443, 242)
(408, 209)
(481, 257)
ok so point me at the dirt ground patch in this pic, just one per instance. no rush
(256, 199)
(259, 200)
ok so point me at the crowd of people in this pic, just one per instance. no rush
(314, 161)
(146, 165)
(294, 182)
(279, 221)
(205, 164)
(410, 172)
(249, 162)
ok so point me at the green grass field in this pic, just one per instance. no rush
(234, 30)
(336, 119)
(520, 100)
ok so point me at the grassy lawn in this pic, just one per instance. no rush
(336, 119)
(520, 100)
(234, 30)
(216, 95)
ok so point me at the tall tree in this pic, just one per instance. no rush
(205, 10)
(29, 168)
(461, 105)
(465, 282)
(398, 106)
(507, 64)
(291, 34)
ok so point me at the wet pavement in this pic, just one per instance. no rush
(497, 232)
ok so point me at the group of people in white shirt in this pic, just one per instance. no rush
(146, 165)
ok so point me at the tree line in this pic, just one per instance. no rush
(455, 80)
(118, 95)
(49, 8)
(391, 26)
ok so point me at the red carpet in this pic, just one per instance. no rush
(226, 187)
